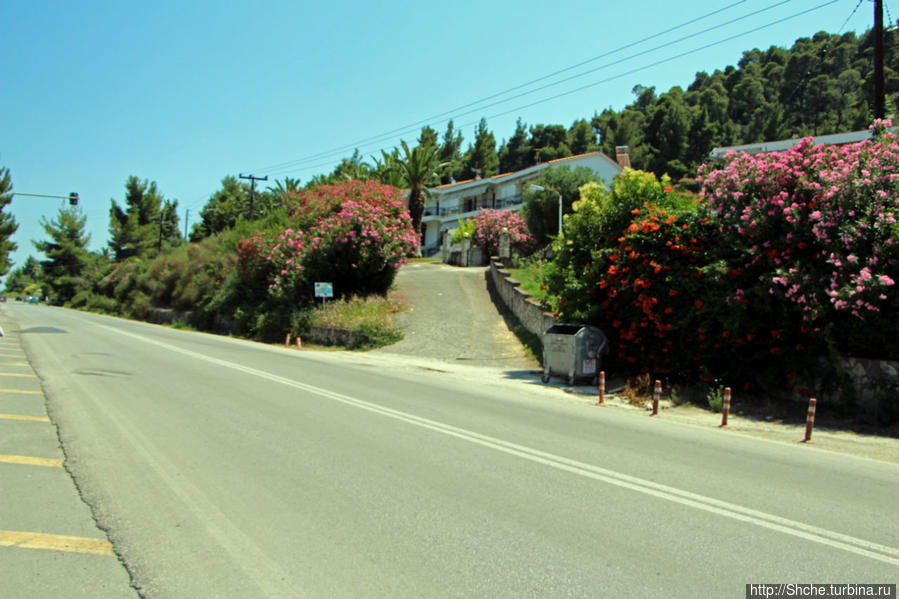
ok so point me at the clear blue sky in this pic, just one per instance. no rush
(185, 93)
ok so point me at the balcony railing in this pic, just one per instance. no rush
(506, 202)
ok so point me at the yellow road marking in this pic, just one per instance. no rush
(34, 540)
(25, 391)
(23, 417)
(30, 376)
(30, 461)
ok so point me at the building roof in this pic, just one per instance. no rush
(786, 144)
(523, 172)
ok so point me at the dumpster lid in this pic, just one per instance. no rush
(563, 329)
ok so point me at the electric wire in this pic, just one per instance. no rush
(416, 124)
(852, 14)
(571, 77)
(300, 167)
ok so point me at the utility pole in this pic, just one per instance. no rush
(879, 108)
(253, 179)
(186, 214)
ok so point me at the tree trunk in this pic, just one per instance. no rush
(416, 209)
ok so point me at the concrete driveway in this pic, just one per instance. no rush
(453, 319)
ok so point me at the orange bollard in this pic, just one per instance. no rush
(726, 408)
(656, 394)
(810, 420)
(299, 342)
(602, 388)
(287, 340)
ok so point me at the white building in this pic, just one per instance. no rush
(786, 144)
(450, 203)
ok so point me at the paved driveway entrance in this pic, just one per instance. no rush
(453, 319)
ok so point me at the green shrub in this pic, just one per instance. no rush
(371, 318)
(463, 231)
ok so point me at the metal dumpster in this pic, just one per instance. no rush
(573, 351)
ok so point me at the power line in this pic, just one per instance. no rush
(664, 60)
(406, 128)
(852, 14)
(290, 167)
(603, 66)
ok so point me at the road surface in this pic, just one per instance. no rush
(223, 468)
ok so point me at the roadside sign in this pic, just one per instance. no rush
(324, 290)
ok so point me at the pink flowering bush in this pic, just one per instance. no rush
(489, 225)
(815, 228)
(353, 234)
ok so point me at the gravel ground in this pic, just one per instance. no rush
(453, 327)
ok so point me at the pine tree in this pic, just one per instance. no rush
(223, 209)
(517, 153)
(451, 154)
(66, 252)
(8, 224)
(134, 230)
(481, 159)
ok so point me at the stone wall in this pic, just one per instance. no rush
(167, 316)
(329, 336)
(873, 384)
(527, 310)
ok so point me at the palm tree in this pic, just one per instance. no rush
(284, 189)
(418, 169)
(385, 169)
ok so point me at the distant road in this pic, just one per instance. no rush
(223, 468)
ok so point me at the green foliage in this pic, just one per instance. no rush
(549, 142)
(450, 155)
(598, 240)
(481, 159)
(145, 223)
(465, 229)
(517, 153)
(66, 252)
(23, 276)
(582, 138)
(530, 273)
(8, 224)
(351, 169)
(370, 318)
(541, 208)
(418, 168)
(223, 209)
(715, 398)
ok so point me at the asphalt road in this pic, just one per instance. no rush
(223, 468)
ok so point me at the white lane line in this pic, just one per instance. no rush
(734, 511)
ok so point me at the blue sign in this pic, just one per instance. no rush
(324, 290)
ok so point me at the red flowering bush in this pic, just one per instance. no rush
(489, 226)
(784, 261)
(650, 294)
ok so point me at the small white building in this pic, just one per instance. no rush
(786, 144)
(450, 203)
